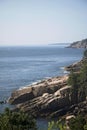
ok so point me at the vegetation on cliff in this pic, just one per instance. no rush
(78, 123)
(78, 81)
(58, 125)
(16, 121)
(78, 93)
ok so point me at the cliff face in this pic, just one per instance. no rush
(79, 44)
(44, 98)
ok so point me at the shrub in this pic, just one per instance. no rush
(16, 121)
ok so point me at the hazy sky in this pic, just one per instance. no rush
(32, 22)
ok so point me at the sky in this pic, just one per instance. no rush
(42, 22)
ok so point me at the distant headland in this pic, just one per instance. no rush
(79, 44)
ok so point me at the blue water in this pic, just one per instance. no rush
(20, 66)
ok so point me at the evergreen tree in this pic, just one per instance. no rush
(16, 121)
(83, 82)
(73, 81)
(77, 123)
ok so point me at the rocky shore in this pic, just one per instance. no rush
(48, 98)
(76, 66)
(43, 98)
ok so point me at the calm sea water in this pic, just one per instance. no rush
(20, 66)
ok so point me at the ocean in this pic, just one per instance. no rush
(21, 66)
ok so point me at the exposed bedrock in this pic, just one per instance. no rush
(50, 97)
(43, 98)
(76, 66)
(49, 86)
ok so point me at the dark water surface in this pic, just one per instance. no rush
(20, 66)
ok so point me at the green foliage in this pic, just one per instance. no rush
(73, 81)
(78, 123)
(83, 82)
(78, 81)
(16, 121)
(85, 127)
(56, 125)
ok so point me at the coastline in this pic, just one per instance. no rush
(43, 106)
(47, 98)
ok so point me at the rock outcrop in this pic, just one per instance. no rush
(75, 67)
(49, 86)
(43, 98)
(79, 44)
(47, 103)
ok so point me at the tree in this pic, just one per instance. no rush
(77, 123)
(78, 81)
(58, 125)
(16, 121)
(83, 82)
(85, 127)
(73, 81)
